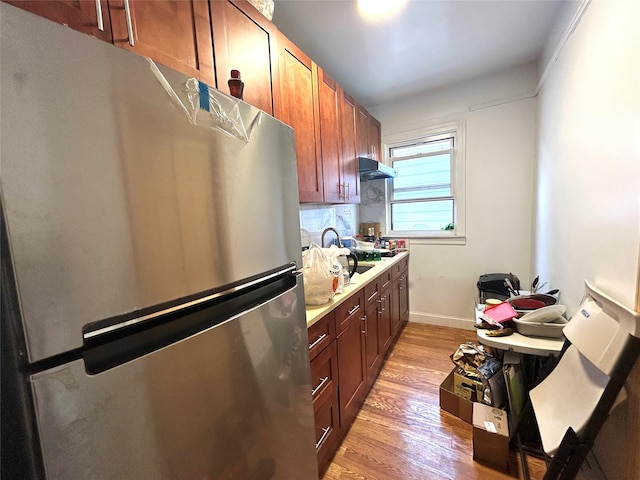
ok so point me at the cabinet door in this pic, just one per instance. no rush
(299, 93)
(403, 287)
(350, 170)
(375, 139)
(385, 336)
(372, 341)
(328, 433)
(395, 307)
(244, 40)
(351, 369)
(330, 145)
(175, 33)
(362, 131)
(87, 16)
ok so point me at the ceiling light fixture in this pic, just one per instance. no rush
(379, 9)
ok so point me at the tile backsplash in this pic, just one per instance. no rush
(315, 218)
(373, 203)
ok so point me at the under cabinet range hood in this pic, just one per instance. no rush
(372, 169)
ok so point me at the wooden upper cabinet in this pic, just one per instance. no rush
(330, 144)
(85, 16)
(375, 139)
(175, 33)
(368, 135)
(362, 131)
(299, 92)
(350, 170)
(244, 40)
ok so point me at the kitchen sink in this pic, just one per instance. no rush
(364, 268)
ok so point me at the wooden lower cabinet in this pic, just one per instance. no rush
(399, 295)
(324, 382)
(373, 356)
(351, 364)
(385, 331)
(347, 348)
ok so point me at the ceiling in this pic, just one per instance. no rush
(430, 43)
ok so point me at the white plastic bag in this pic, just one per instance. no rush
(320, 276)
(333, 252)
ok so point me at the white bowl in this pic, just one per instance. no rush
(547, 330)
(544, 314)
(365, 245)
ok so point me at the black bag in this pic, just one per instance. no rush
(491, 285)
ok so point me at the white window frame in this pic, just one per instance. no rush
(456, 236)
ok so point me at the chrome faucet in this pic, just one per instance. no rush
(330, 229)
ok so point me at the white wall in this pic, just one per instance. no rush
(588, 188)
(587, 224)
(500, 140)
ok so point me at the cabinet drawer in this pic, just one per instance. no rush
(399, 267)
(372, 291)
(324, 375)
(321, 334)
(327, 433)
(353, 306)
(385, 279)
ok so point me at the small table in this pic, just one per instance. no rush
(541, 347)
(538, 346)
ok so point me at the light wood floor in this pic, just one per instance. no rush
(401, 433)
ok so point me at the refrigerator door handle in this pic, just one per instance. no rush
(93, 334)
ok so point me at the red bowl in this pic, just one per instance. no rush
(527, 303)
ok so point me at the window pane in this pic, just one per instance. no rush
(417, 149)
(427, 177)
(429, 215)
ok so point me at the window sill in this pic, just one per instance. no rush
(439, 240)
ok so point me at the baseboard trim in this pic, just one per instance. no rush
(442, 320)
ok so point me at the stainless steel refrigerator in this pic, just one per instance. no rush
(153, 322)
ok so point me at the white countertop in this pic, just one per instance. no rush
(316, 312)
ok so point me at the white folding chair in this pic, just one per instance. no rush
(571, 404)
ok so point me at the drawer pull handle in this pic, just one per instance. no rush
(320, 338)
(364, 319)
(381, 302)
(322, 382)
(325, 432)
(354, 309)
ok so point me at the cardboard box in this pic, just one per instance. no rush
(490, 435)
(466, 387)
(453, 403)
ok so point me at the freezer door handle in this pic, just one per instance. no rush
(128, 341)
(92, 334)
